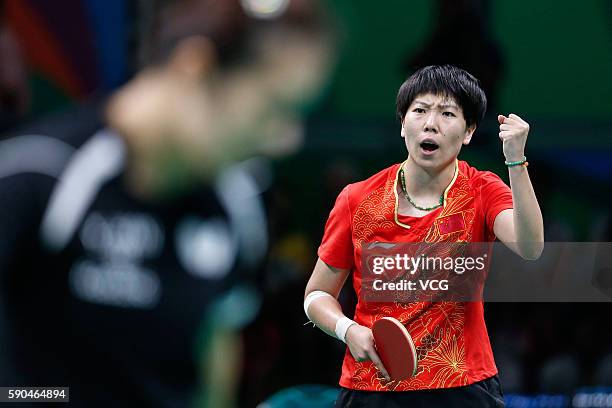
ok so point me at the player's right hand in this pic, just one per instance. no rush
(360, 341)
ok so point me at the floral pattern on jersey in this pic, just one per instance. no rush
(372, 214)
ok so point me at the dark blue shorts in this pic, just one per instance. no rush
(485, 393)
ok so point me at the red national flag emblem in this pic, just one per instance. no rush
(451, 223)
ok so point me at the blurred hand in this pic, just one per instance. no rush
(361, 344)
(513, 132)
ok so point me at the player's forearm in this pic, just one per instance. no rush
(528, 223)
(527, 217)
(325, 313)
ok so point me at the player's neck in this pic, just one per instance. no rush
(141, 180)
(151, 180)
(423, 181)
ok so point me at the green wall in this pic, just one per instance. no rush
(558, 55)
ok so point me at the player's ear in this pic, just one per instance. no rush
(469, 132)
(193, 57)
(403, 131)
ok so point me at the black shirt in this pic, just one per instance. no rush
(106, 293)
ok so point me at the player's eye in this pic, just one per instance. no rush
(419, 110)
(449, 114)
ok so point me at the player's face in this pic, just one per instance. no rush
(434, 130)
(258, 106)
(207, 120)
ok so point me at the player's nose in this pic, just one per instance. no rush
(431, 122)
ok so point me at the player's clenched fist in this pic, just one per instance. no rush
(360, 341)
(513, 132)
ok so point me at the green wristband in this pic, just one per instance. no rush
(516, 163)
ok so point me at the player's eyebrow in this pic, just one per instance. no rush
(448, 105)
(417, 101)
(444, 105)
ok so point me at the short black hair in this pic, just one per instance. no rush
(447, 80)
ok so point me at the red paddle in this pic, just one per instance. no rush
(395, 348)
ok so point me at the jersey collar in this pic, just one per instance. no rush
(396, 206)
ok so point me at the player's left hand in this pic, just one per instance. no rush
(513, 132)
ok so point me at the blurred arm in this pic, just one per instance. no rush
(222, 368)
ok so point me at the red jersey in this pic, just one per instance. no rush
(451, 339)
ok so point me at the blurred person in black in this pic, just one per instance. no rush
(128, 231)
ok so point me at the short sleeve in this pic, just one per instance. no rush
(496, 196)
(336, 248)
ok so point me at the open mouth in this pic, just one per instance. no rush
(429, 146)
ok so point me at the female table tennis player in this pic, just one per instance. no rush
(439, 108)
